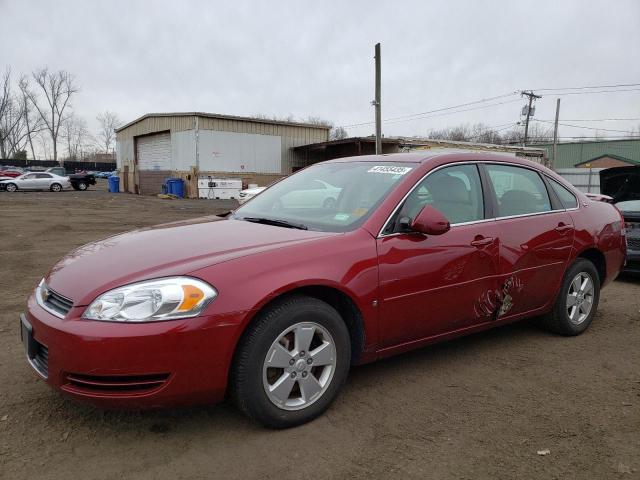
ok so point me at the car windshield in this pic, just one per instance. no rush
(629, 206)
(333, 197)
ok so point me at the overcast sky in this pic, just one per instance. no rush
(316, 58)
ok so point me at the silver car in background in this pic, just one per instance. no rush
(36, 181)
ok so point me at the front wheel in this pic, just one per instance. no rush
(577, 301)
(81, 186)
(11, 187)
(55, 187)
(291, 363)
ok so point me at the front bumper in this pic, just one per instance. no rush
(149, 365)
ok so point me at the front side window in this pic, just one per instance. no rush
(455, 191)
(567, 198)
(333, 197)
(519, 191)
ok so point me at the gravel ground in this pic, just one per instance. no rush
(478, 407)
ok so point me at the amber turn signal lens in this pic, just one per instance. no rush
(192, 295)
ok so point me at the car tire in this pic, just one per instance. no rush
(11, 187)
(82, 186)
(577, 300)
(274, 381)
(55, 187)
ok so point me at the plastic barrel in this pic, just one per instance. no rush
(114, 184)
(175, 186)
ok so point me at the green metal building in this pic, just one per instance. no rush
(574, 153)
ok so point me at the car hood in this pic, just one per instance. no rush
(171, 249)
(621, 183)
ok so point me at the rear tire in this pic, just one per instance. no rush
(82, 186)
(291, 362)
(55, 187)
(577, 300)
(11, 187)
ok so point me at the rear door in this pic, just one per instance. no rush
(536, 236)
(431, 285)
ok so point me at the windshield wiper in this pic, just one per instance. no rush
(275, 222)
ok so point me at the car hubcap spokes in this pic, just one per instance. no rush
(299, 366)
(580, 298)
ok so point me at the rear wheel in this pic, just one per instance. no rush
(81, 186)
(11, 187)
(577, 301)
(291, 363)
(55, 187)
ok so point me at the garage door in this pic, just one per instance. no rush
(153, 154)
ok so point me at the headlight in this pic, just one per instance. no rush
(152, 301)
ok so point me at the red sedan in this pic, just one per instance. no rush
(276, 301)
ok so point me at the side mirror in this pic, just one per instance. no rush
(430, 221)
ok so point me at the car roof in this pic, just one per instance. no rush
(444, 155)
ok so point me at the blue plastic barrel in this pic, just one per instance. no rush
(114, 184)
(175, 186)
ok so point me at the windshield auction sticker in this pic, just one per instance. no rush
(389, 169)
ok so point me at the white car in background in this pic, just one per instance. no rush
(249, 193)
(316, 194)
(36, 181)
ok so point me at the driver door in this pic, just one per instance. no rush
(432, 285)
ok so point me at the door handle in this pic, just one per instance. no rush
(563, 228)
(481, 241)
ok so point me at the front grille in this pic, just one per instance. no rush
(41, 360)
(114, 384)
(633, 243)
(56, 302)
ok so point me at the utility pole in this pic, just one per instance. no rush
(531, 96)
(555, 136)
(376, 103)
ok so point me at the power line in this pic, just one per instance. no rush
(409, 116)
(587, 128)
(591, 86)
(598, 119)
(594, 92)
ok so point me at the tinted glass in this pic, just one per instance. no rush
(43, 175)
(567, 198)
(455, 191)
(333, 197)
(519, 191)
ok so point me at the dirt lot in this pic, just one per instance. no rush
(478, 407)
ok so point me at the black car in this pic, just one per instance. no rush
(623, 185)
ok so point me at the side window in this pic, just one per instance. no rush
(567, 198)
(456, 191)
(43, 175)
(519, 191)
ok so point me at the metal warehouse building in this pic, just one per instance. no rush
(188, 145)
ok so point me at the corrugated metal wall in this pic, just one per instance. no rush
(239, 152)
(584, 179)
(570, 154)
(290, 135)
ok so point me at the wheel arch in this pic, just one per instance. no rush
(596, 257)
(337, 298)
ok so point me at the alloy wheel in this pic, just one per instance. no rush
(580, 298)
(299, 366)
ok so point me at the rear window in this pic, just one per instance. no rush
(567, 198)
(519, 191)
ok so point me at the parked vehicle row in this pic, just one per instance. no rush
(413, 249)
(35, 181)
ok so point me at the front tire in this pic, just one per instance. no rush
(291, 363)
(577, 301)
(55, 187)
(11, 187)
(82, 186)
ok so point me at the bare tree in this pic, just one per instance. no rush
(58, 88)
(10, 117)
(338, 133)
(109, 121)
(76, 135)
(33, 121)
